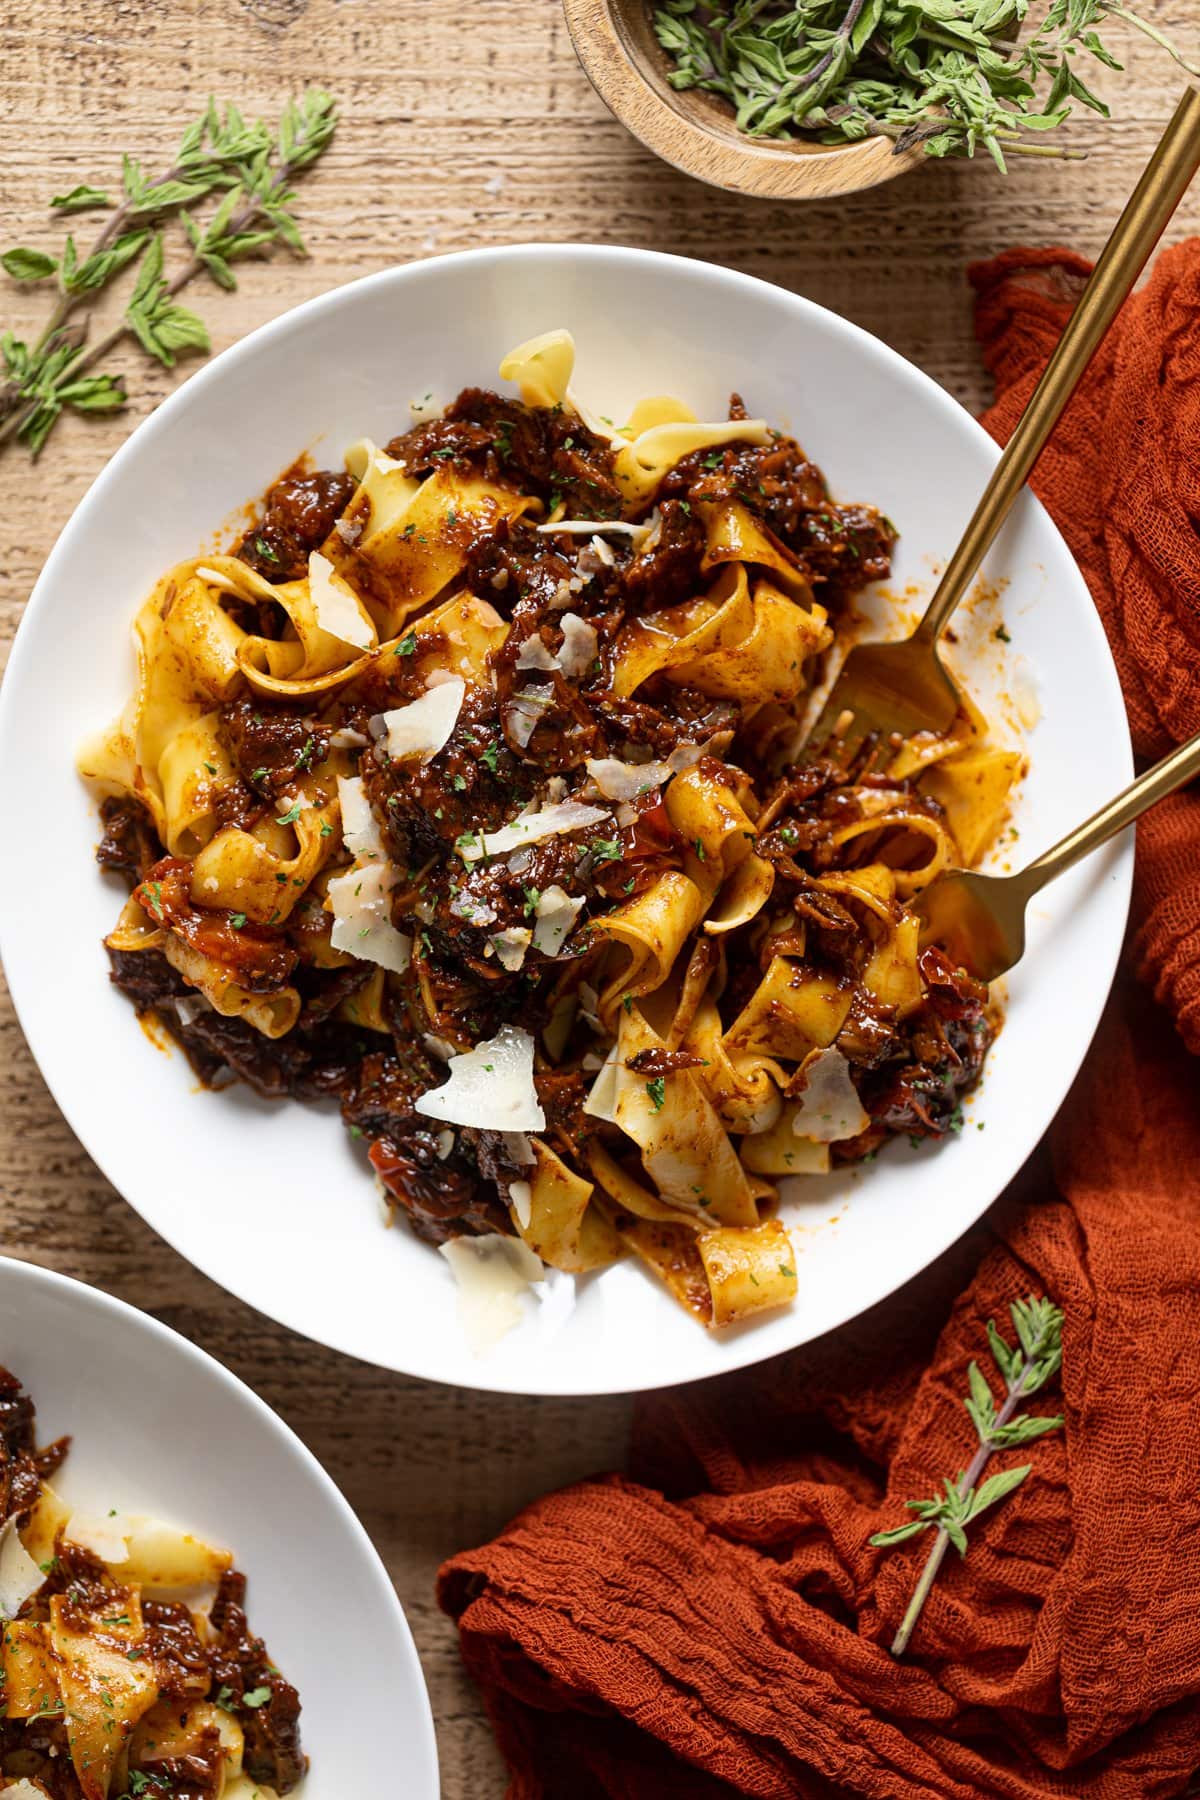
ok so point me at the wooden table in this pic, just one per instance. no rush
(464, 124)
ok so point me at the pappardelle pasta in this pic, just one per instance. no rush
(468, 789)
(127, 1668)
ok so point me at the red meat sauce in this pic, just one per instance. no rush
(455, 992)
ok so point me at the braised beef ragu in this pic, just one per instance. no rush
(196, 1661)
(298, 515)
(550, 711)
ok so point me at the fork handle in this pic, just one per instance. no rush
(1127, 806)
(1150, 206)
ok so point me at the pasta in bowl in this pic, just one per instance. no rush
(468, 790)
(128, 1664)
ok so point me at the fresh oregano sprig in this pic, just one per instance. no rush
(249, 165)
(1029, 1365)
(950, 75)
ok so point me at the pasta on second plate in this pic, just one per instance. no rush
(469, 789)
(127, 1666)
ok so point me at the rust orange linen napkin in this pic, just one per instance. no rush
(717, 1623)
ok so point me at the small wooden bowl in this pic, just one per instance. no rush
(615, 42)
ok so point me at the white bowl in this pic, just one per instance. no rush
(160, 1428)
(274, 1201)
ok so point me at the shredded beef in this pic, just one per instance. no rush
(240, 1665)
(298, 516)
(270, 746)
(130, 843)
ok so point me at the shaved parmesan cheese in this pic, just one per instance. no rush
(360, 830)
(619, 780)
(20, 1577)
(344, 738)
(338, 609)
(510, 946)
(588, 527)
(349, 530)
(531, 827)
(524, 712)
(520, 1198)
(602, 1097)
(362, 922)
(589, 1004)
(190, 1006)
(490, 1087)
(438, 1047)
(554, 916)
(686, 756)
(830, 1108)
(533, 654)
(492, 1275)
(475, 912)
(518, 1147)
(23, 1790)
(424, 726)
(603, 551)
(445, 1143)
(579, 646)
(106, 1538)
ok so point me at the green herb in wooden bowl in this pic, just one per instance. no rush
(947, 76)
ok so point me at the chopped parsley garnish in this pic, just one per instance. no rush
(488, 759)
(266, 550)
(305, 756)
(532, 896)
(292, 814)
(407, 645)
(156, 894)
(237, 920)
(211, 767)
(785, 1269)
(789, 834)
(657, 1090)
(1001, 632)
(698, 847)
(326, 828)
(460, 782)
(714, 461)
(607, 849)
(259, 774)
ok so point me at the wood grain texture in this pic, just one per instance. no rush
(464, 125)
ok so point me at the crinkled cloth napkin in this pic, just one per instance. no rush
(717, 1624)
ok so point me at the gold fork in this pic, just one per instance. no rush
(979, 920)
(904, 687)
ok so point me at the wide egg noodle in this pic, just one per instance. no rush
(564, 1228)
(414, 538)
(734, 642)
(684, 1150)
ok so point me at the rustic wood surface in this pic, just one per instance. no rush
(465, 124)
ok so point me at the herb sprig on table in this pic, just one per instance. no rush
(1024, 1368)
(950, 75)
(249, 166)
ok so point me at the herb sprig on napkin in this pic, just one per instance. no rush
(250, 166)
(1035, 1359)
(951, 75)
